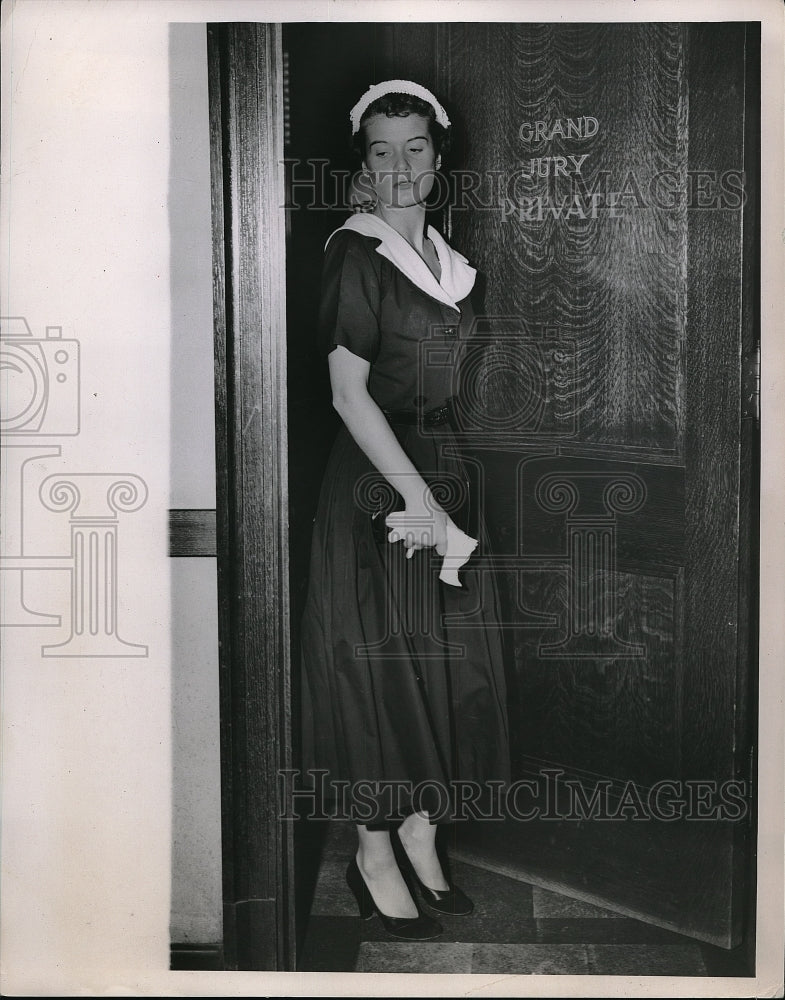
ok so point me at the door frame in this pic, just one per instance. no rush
(245, 77)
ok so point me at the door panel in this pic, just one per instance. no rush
(616, 281)
(625, 662)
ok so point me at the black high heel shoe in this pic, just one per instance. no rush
(453, 900)
(419, 928)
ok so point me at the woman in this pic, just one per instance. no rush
(398, 693)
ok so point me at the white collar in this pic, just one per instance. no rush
(457, 275)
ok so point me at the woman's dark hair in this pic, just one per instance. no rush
(399, 106)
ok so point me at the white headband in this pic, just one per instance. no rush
(396, 87)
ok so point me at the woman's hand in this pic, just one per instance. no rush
(423, 524)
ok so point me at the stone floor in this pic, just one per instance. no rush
(516, 928)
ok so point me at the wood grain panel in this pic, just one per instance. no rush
(615, 282)
(617, 718)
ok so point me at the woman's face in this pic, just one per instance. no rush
(400, 158)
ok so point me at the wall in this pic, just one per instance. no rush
(110, 827)
(86, 832)
(196, 819)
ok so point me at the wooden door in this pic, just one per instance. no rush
(609, 418)
(613, 358)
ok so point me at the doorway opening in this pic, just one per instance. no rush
(634, 321)
(630, 882)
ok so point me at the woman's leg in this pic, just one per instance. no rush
(381, 873)
(418, 836)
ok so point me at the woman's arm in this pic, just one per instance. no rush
(369, 428)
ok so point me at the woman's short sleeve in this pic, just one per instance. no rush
(350, 298)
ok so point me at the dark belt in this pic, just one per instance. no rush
(429, 418)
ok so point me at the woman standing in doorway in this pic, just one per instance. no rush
(399, 693)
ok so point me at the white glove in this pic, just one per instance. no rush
(459, 547)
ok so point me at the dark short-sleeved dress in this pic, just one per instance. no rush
(402, 674)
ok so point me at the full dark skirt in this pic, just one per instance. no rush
(402, 674)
